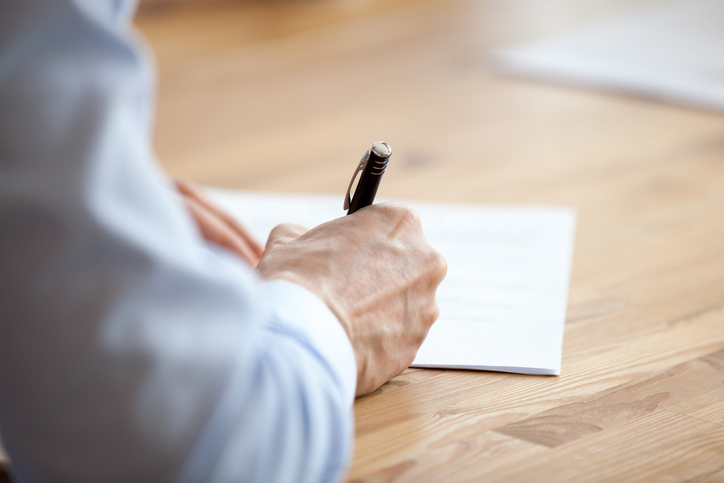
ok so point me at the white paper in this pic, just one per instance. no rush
(673, 52)
(503, 302)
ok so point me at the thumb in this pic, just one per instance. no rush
(285, 233)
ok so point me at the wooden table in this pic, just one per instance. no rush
(251, 94)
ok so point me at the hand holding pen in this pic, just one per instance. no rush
(385, 308)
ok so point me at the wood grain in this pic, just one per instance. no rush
(610, 408)
(678, 448)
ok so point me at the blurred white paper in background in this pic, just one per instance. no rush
(503, 302)
(674, 53)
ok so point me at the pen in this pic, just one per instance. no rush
(373, 166)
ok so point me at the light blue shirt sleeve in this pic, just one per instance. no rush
(131, 350)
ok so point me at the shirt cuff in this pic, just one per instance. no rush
(297, 307)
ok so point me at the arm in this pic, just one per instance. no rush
(131, 350)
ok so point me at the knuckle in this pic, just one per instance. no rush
(412, 217)
(412, 353)
(390, 208)
(278, 234)
(401, 214)
(417, 339)
(407, 215)
(437, 265)
(392, 205)
(287, 230)
(296, 230)
(276, 231)
(433, 314)
(396, 207)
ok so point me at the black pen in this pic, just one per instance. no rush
(373, 166)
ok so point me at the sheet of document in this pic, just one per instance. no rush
(672, 52)
(503, 302)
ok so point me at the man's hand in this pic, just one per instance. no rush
(218, 226)
(376, 272)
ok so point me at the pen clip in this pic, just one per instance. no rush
(360, 167)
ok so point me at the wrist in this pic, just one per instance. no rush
(302, 310)
(318, 289)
